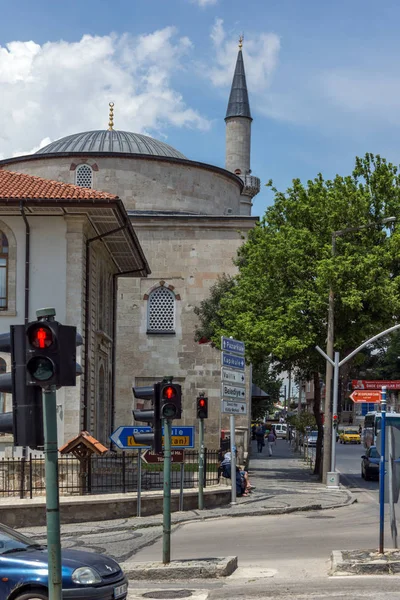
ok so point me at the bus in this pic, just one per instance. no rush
(372, 426)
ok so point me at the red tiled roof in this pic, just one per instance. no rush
(19, 186)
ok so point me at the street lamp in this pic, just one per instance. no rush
(329, 433)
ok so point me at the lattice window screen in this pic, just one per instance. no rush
(161, 310)
(84, 176)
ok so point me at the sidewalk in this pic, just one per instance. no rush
(283, 483)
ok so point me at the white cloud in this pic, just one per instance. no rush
(261, 52)
(59, 88)
(203, 3)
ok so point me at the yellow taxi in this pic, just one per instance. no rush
(350, 436)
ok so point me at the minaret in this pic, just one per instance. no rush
(238, 134)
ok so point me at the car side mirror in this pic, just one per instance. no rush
(363, 456)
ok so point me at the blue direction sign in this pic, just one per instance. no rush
(182, 437)
(231, 345)
(232, 361)
(123, 437)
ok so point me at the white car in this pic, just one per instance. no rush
(280, 430)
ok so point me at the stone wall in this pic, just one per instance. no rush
(187, 254)
(148, 184)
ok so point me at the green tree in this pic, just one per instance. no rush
(278, 303)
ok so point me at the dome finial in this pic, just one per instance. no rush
(111, 117)
(241, 38)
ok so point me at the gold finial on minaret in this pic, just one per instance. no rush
(111, 117)
(241, 38)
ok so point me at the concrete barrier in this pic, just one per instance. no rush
(15, 512)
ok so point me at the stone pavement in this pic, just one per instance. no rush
(283, 483)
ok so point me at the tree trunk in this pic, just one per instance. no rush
(318, 419)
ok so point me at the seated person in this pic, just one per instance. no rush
(243, 486)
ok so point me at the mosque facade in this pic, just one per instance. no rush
(189, 218)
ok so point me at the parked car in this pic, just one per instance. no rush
(85, 575)
(311, 438)
(280, 430)
(370, 464)
(350, 436)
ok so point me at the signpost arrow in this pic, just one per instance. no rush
(227, 375)
(153, 458)
(366, 396)
(232, 391)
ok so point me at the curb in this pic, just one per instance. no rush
(182, 569)
(203, 517)
(368, 562)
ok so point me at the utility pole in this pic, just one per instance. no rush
(202, 413)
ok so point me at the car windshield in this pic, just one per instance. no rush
(11, 541)
(314, 434)
(373, 453)
(352, 431)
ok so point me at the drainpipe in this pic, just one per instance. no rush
(27, 261)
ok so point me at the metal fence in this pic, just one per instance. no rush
(109, 474)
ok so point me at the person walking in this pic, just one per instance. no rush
(260, 437)
(271, 440)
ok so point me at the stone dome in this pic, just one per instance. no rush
(111, 141)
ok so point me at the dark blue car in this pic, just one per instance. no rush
(370, 464)
(85, 575)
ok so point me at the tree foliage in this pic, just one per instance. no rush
(278, 302)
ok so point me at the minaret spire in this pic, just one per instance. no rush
(238, 105)
(238, 134)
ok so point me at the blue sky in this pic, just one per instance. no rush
(323, 77)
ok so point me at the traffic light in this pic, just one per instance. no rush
(152, 416)
(335, 421)
(43, 353)
(25, 421)
(171, 399)
(50, 354)
(202, 407)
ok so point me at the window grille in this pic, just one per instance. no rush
(3, 270)
(84, 176)
(161, 311)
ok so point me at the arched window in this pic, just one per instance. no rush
(3, 271)
(83, 176)
(3, 369)
(161, 311)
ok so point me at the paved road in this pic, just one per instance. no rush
(348, 462)
(287, 556)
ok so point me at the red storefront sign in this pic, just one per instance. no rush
(375, 384)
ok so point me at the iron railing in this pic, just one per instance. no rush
(110, 474)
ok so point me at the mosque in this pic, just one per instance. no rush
(129, 257)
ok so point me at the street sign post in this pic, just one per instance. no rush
(234, 408)
(232, 361)
(153, 458)
(235, 377)
(123, 437)
(231, 345)
(233, 393)
(366, 396)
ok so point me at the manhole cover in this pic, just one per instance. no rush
(166, 594)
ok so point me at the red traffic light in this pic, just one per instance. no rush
(202, 403)
(41, 337)
(335, 417)
(169, 392)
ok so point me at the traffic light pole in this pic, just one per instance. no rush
(52, 494)
(201, 464)
(167, 493)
